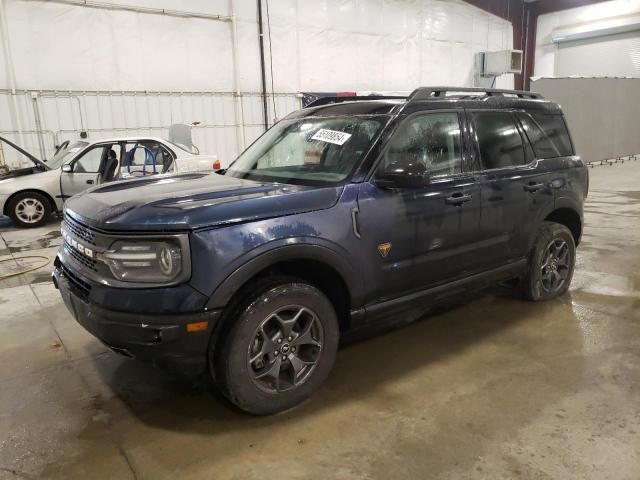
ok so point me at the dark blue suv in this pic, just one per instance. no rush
(341, 217)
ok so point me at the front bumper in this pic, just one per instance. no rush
(158, 338)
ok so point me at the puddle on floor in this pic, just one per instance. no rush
(48, 240)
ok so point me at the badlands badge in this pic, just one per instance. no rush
(384, 249)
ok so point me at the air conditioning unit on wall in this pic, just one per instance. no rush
(503, 61)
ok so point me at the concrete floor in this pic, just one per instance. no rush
(496, 388)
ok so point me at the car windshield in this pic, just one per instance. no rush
(65, 154)
(311, 151)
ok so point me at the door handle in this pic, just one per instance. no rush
(533, 187)
(90, 182)
(354, 221)
(457, 199)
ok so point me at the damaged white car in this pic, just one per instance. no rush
(30, 195)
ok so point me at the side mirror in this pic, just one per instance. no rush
(66, 168)
(403, 175)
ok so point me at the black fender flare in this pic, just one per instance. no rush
(284, 251)
(570, 203)
(573, 204)
(565, 202)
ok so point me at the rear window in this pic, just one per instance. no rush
(555, 129)
(542, 145)
(499, 141)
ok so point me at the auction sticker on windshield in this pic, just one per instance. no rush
(331, 136)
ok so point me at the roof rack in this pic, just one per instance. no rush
(430, 93)
(354, 98)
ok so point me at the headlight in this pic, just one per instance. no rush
(147, 261)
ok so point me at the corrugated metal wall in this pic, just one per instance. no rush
(106, 114)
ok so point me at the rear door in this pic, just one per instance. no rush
(515, 185)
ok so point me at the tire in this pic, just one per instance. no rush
(551, 264)
(305, 335)
(29, 209)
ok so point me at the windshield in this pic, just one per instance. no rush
(65, 154)
(309, 150)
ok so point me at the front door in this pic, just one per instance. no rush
(84, 171)
(425, 236)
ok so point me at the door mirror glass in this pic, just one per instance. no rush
(403, 175)
(66, 168)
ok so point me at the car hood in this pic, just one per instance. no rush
(192, 200)
(20, 172)
(35, 179)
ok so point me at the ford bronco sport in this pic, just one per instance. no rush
(340, 217)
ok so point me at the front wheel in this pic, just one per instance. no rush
(29, 209)
(551, 264)
(279, 347)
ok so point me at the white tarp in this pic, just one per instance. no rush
(320, 45)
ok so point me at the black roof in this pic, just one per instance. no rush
(431, 98)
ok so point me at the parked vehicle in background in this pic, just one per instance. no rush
(340, 217)
(29, 195)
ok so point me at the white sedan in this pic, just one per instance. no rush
(30, 195)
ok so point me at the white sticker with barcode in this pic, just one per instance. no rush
(331, 136)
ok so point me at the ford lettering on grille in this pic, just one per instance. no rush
(76, 245)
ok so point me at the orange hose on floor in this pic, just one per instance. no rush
(30, 269)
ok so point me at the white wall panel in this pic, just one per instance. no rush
(615, 55)
(128, 72)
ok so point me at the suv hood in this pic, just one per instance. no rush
(191, 201)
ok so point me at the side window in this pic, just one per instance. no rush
(542, 145)
(432, 139)
(144, 155)
(90, 161)
(555, 128)
(499, 140)
(162, 156)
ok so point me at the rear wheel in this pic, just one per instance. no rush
(279, 348)
(29, 209)
(552, 263)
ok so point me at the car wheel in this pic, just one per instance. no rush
(29, 209)
(280, 345)
(552, 263)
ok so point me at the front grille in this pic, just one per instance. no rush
(80, 286)
(79, 230)
(81, 259)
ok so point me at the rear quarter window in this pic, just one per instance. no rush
(555, 130)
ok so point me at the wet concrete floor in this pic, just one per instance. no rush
(495, 388)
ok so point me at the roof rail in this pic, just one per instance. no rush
(430, 93)
(354, 98)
